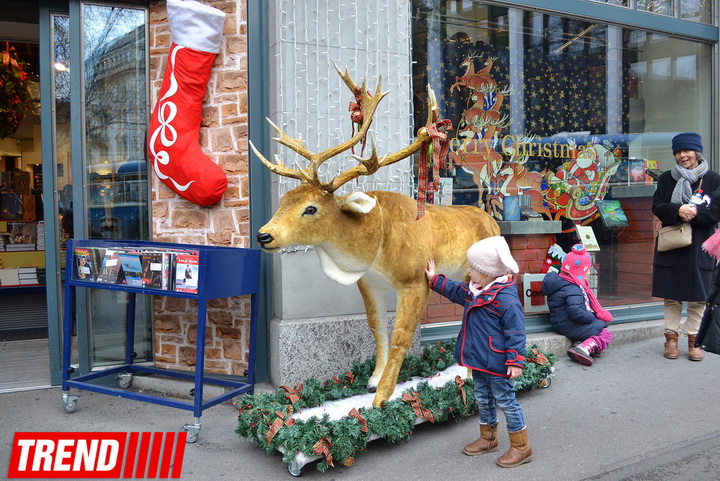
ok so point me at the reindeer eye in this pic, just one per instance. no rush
(310, 210)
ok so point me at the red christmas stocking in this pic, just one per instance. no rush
(196, 32)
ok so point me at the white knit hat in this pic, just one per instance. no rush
(492, 256)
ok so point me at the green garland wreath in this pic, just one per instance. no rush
(266, 420)
(15, 97)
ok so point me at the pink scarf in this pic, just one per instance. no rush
(589, 295)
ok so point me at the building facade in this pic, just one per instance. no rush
(562, 114)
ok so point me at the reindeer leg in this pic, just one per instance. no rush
(376, 310)
(412, 302)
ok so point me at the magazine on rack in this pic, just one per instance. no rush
(152, 269)
(186, 272)
(84, 266)
(131, 268)
(110, 272)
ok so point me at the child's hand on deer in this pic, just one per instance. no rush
(430, 269)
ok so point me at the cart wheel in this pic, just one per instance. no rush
(545, 383)
(70, 405)
(124, 380)
(191, 438)
(295, 469)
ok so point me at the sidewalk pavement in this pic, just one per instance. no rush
(631, 413)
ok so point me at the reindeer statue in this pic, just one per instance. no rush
(373, 238)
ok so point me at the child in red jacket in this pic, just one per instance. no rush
(491, 343)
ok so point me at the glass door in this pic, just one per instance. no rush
(115, 114)
(95, 147)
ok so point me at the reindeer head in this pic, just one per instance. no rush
(311, 214)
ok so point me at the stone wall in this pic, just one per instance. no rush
(223, 137)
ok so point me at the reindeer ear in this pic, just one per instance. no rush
(358, 202)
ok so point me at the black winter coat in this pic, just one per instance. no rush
(568, 314)
(708, 335)
(683, 274)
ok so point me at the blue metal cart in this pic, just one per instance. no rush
(222, 272)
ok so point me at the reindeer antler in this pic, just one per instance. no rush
(368, 104)
(372, 164)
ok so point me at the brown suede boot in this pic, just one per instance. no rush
(520, 451)
(486, 443)
(671, 345)
(694, 353)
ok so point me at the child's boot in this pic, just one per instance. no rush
(583, 352)
(486, 443)
(520, 451)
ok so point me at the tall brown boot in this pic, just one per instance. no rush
(694, 353)
(671, 345)
(520, 451)
(486, 443)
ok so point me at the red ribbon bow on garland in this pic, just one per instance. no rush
(354, 413)
(440, 145)
(282, 419)
(293, 395)
(413, 398)
(323, 447)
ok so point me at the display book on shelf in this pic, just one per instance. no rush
(22, 237)
(18, 236)
(165, 269)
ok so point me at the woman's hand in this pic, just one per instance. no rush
(430, 269)
(687, 212)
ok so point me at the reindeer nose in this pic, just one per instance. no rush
(264, 238)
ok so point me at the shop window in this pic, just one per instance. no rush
(696, 11)
(558, 114)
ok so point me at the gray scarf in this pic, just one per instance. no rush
(685, 178)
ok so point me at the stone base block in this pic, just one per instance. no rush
(320, 348)
(622, 334)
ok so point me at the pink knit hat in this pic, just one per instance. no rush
(577, 263)
(492, 256)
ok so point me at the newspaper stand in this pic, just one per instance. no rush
(222, 272)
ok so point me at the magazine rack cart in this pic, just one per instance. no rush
(222, 272)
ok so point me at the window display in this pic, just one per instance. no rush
(555, 115)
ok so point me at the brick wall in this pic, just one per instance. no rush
(223, 137)
(528, 250)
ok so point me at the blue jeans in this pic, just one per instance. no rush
(496, 391)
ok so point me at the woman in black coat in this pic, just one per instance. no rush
(684, 274)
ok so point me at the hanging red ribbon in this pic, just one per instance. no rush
(413, 398)
(460, 382)
(357, 117)
(323, 447)
(439, 143)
